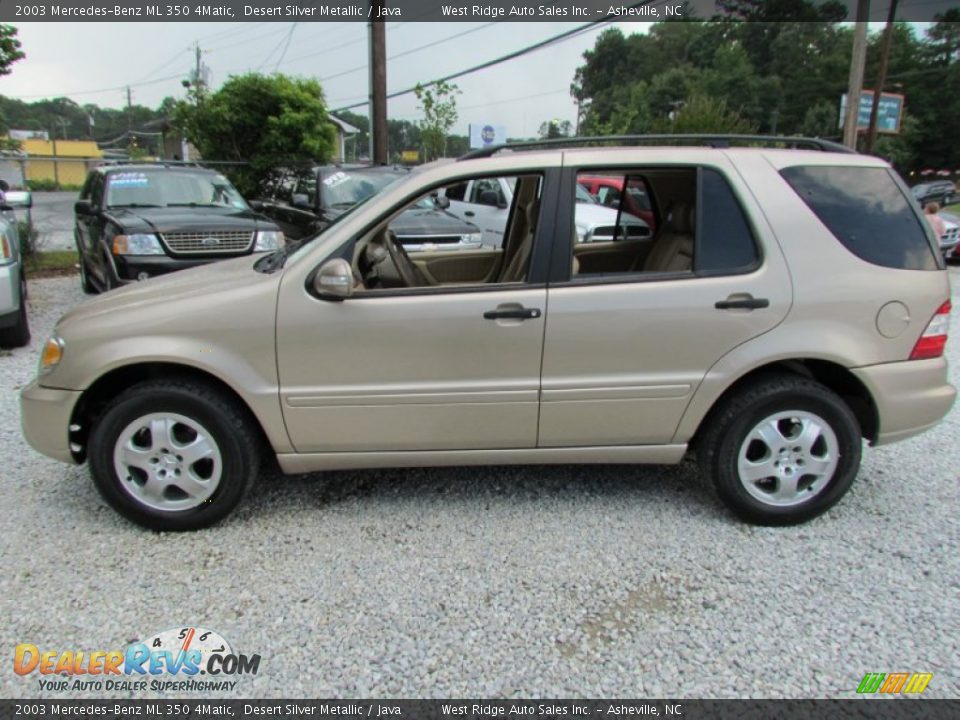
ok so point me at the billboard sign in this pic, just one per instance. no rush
(889, 114)
(483, 135)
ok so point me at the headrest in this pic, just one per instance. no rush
(682, 218)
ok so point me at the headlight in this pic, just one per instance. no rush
(51, 355)
(268, 240)
(582, 233)
(471, 238)
(137, 244)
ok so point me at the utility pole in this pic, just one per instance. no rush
(197, 78)
(881, 77)
(855, 84)
(129, 109)
(378, 84)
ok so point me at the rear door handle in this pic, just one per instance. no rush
(742, 303)
(512, 314)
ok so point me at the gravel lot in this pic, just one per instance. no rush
(563, 582)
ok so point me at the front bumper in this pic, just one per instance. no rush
(46, 414)
(910, 396)
(9, 292)
(130, 267)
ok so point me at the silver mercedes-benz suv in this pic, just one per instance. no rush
(788, 303)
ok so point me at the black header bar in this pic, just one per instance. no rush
(408, 10)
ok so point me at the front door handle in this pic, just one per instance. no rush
(470, 213)
(520, 313)
(742, 302)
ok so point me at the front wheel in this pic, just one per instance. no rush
(173, 455)
(781, 451)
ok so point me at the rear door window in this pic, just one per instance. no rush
(867, 212)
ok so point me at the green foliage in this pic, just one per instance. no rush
(264, 121)
(10, 48)
(784, 72)
(50, 185)
(550, 129)
(28, 238)
(703, 114)
(439, 104)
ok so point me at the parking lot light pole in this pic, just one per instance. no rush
(855, 84)
(881, 77)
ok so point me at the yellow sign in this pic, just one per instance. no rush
(410, 156)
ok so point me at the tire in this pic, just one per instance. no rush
(18, 334)
(761, 430)
(189, 486)
(85, 283)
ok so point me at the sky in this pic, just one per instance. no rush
(75, 59)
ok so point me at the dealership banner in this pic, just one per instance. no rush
(482, 709)
(413, 10)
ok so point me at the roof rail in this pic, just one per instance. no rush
(717, 141)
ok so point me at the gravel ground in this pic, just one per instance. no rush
(497, 582)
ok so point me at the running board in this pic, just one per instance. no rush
(626, 454)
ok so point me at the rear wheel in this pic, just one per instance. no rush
(18, 334)
(173, 455)
(781, 451)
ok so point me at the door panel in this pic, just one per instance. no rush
(611, 257)
(467, 266)
(622, 360)
(409, 371)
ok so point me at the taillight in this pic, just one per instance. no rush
(934, 338)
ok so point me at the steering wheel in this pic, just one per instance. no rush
(408, 271)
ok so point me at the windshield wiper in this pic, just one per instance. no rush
(132, 205)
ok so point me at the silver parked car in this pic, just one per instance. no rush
(14, 323)
(790, 305)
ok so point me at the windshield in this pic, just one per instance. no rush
(584, 196)
(345, 188)
(165, 188)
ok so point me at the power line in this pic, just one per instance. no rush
(360, 68)
(293, 27)
(580, 29)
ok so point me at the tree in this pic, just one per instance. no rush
(704, 114)
(10, 50)
(439, 106)
(551, 129)
(264, 121)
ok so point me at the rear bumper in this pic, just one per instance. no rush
(910, 397)
(45, 414)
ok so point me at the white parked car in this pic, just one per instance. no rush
(14, 324)
(486, 202)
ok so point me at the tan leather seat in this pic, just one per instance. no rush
(673, 250)
(521, 236)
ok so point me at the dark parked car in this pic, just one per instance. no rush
(305, 201)
(941, 191)
(135, 221)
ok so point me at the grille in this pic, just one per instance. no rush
(209, 243)
(434, 239)
(605, 232)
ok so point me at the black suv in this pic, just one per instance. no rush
(135, 221)
(941, 191)
(305, 201)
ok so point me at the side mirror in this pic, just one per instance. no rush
(335, 280)
(302, 201)
(83, 207)
(255, 205)
(20, 198)
(4, 185)
(441, 202)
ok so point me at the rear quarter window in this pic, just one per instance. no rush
(864, 208)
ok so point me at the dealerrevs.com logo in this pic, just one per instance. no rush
(177, 660)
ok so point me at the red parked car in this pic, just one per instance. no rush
(608, 189)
